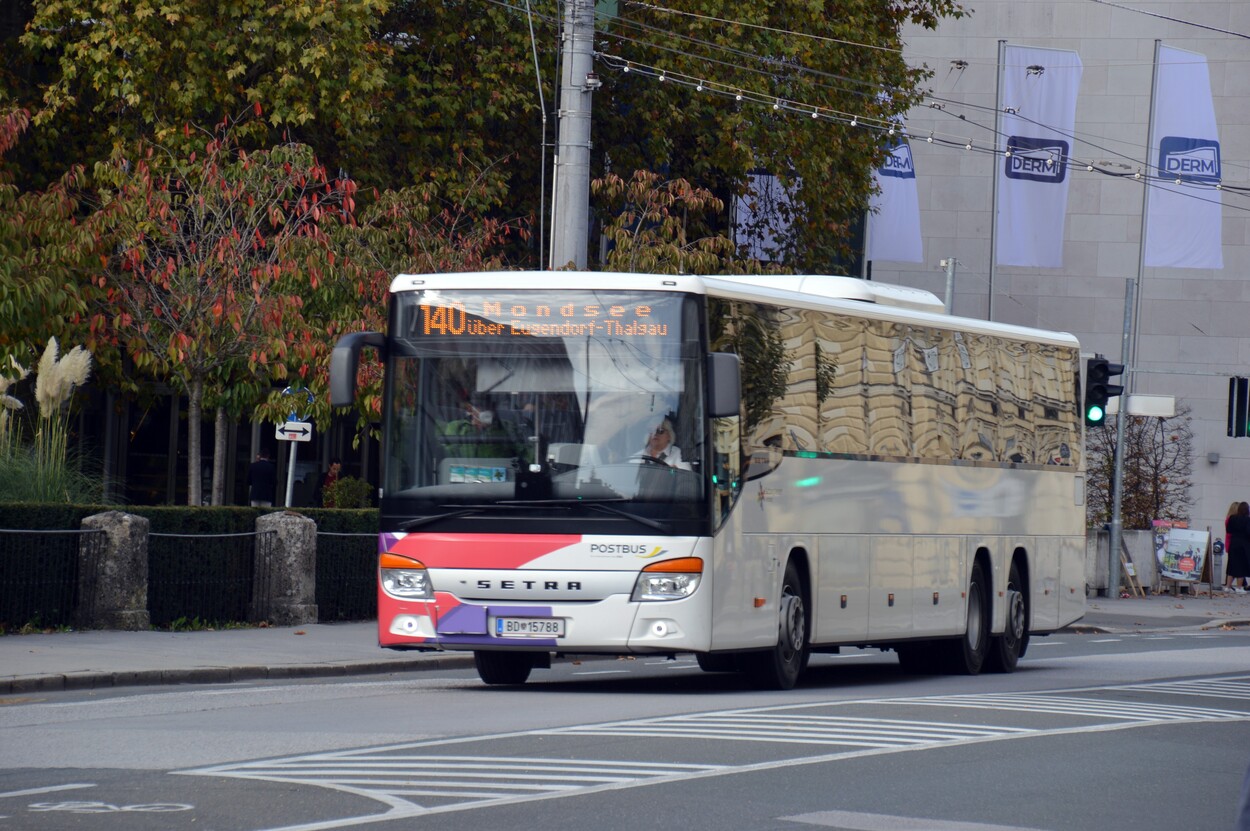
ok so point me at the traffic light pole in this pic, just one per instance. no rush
(1117, 482)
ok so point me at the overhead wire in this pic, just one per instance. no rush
(938, 102)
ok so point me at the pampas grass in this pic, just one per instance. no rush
(8, 407)
(40, 471)
(55, 381)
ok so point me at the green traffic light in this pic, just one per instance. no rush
(1095, 415)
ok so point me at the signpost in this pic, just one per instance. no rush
(296, 429)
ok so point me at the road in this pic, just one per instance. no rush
(1092, 732)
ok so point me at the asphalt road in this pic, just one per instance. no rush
(1095, 731)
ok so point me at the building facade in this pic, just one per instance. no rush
(1190, 327)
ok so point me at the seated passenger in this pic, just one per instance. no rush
(482, 437)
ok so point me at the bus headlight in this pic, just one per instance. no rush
(405, 578)
(668, 580)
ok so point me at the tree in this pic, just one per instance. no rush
(1158, 466)
(738, 96)
(146, 68)
(646, 225)
(199, 243)
(425, 229)
(44, 249)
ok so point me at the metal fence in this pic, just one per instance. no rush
(203, 578)
(347, 576)
(47, 577)
(40, 575)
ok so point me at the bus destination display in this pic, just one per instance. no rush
(496, 319)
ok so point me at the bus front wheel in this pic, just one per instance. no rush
(503, 667)
(779, 668)
(966, 655)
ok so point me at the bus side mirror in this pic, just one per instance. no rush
(724, 385)
(344, 361)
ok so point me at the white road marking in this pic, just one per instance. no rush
(395, 774)
(853, 821)
(49, 789)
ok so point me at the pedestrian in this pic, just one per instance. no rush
(332, 476)
(262, 480)
(1238, 565)
(1232, 511)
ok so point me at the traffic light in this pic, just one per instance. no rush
(1099, 389)
(1238, 412)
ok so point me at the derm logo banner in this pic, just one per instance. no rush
(1039, 88)
(1189, 159)
(899, 163)
(894, 210)
(1036, 159)
(1183, 207)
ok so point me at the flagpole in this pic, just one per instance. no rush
(1145, 211)
(1128, 352)
(998, 123)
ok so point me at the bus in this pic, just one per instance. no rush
(746, 469)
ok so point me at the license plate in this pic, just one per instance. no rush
(529, 627)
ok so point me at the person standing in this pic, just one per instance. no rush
(332, 476)
(1228, 543)
(1238, 566)
(262, 480)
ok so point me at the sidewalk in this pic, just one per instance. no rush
(85, 660)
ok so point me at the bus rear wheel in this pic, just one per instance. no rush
(779, 668)
(503, 667)
(1007, 649)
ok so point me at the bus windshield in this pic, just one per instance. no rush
(528, 401)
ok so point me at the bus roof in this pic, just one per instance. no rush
(850, 294)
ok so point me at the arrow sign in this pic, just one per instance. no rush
(295, 431)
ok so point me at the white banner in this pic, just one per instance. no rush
(894, 217)
(1183, 220)
(1039, 89)
(760, 217)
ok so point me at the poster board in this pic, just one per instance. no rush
(1181, 553)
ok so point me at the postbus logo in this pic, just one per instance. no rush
(1189, 159)
(1036, 159)
(899, 163)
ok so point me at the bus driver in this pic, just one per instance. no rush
(659, 446)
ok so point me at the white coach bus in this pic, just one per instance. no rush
(746, 469)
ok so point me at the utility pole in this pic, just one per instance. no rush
(570, 231)
(949, 264)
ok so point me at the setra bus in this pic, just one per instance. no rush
(746, 469)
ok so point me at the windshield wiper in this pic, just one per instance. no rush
(424, 520)
(612, 509)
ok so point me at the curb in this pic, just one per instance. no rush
(1142, 629)
(222, 675)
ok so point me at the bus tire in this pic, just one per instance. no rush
(503, 667)
(717, 661)
(779, 668)
(1007, 649)
(923, 658)
(966, 655)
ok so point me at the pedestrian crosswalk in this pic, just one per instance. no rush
(1124, 710)
(424, 777)
(793, 728)
(417, 775)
